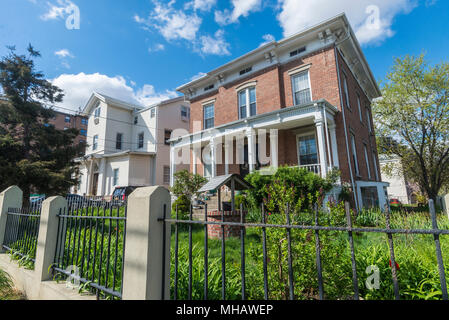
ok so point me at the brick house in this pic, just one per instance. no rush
(63, 121)
(307, 98)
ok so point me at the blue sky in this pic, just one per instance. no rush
(141, 50)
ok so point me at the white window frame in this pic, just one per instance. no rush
(115, 177)
(143, 140)
(95, 142)
(359, 105)
(368, 119)
(153, 113)
(367, 161)
(297, 74)
(298, 153)
(354, 155)
(375, 166)
(346, 90)
(248, 101)
(121, 140)
(204, 115)
(97, 113)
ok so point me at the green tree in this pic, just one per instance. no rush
(33, 155)
(412, 120)
(187, 183)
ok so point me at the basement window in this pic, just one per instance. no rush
(297, 51)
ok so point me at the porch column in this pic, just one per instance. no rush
(228, 145)
(251, 135)
(172, 166)
(194, 157)
(334, 147)
(274, 149)
(213, 157)
(321, 147)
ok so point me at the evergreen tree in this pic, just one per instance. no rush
(33, 155)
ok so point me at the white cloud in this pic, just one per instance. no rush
(296, 15)
(215, 45)
(64, 53)
(173, 24)
(157, 47)
(240, 8)
(198, 76)
(267, 38)
(58, 11)
(203, 5)
(79, 87)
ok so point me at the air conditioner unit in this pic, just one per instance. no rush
(97, 120)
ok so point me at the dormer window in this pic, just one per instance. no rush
(297, 51)
(245, 71)
(209, 87)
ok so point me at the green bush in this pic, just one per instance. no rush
(183, 206)
(307, 185)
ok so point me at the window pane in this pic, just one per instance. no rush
(243, 112)
(253, 109)
(242, 98)
(301, 88)
(252, 95)
(308, 150)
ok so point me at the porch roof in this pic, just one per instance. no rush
(274, 117)
(217, 182)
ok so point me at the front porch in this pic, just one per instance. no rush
(302, 136)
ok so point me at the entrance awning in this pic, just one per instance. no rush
(226, 180)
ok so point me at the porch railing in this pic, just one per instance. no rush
(315, 168)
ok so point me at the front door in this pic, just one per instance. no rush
(94, 184)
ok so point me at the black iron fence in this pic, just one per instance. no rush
(316, 231)
(90, 245)
(21, 232)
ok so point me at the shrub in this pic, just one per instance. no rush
(183, 205)
(307, 185)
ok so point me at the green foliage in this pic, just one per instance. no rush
(414, 109)
(33, 156)
(308, 187)
(7, 291)
(187, 183)
(182, 204)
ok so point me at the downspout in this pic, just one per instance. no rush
(344, 120)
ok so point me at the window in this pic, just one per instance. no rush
(67, 119)
(83, 132)
(298, 51)
(185, 112)
(308, 153)
(247, 70)
(97, 113)
(209, 116)
(118, 141)
(359, 105)
(136, 120)
(209, 87)
(354, 155)
(95, 143)
(247, 103)
(153, 113)
(375, 166)
(345, 88)
(301, 88)
(82, 141)
(140, 140)
(166, 175)
(167, 136)
(367, 162)
(65, 128)
(368, 119)
(115, 178)
(84, 121)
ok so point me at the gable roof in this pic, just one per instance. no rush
(217, 182)
(95, 97)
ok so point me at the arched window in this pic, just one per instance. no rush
(247, 102)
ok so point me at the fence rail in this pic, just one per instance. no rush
(289, 227)
(90, 245)
(22, 229)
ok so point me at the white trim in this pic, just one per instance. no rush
(293, 90)
(252, 83)
(248, 101)
(300, 69)
(207, 102)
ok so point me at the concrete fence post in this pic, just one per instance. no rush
(10, 198)
(48, 234)
(146, 261)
